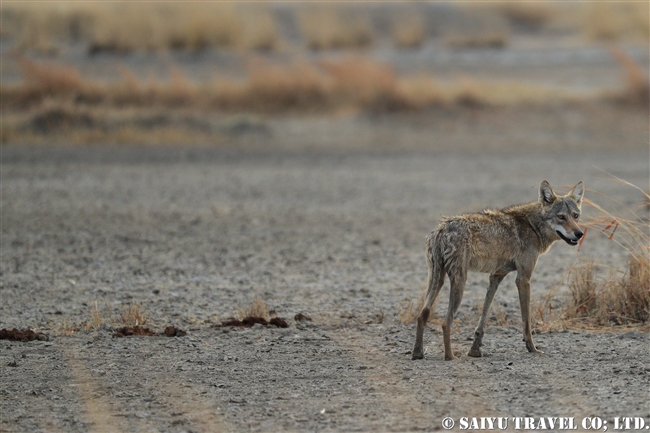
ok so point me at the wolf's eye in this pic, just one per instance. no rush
(576, 216)
(560, 217)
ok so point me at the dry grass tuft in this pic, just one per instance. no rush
(270, 87)
(611, 301)
(488, 39)
(408, 311)
(67, 327)
(260, 31)
(258, 308)
(638, 85)
(325, 27)
(124, 27)
(481, 27)
(533, 15)
(96, 319)
(51, 78)
(133, 315)
(583, 287)
(615, 21)
(499, 317)
(362, 82)
(408, 31)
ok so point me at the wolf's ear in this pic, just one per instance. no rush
(578, 192)
(546, 194)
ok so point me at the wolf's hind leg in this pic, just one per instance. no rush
(455, 297)
(436, 280)
(495, 280)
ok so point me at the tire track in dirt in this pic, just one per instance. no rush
(144, 394)
(189, 404)
(99, 412)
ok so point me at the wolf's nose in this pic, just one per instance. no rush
(578, 234)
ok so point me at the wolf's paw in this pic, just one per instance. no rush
(532, 349)
(417, 355)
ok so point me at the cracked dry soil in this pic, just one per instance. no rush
(194, 234)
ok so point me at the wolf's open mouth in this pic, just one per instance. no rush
(567, 240)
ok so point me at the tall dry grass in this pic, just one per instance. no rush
(133, 315)
(616, 21)
(481, 26)
(124, 27)
(637, 83)
(327, 26)
(408, 311)
(408, 30)
(257, 308)
(532, 15)
(270, 87)
(613, 300)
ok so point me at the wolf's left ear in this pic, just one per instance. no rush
(546, 194)
(578, 192)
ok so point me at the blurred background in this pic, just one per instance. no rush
(242, 73)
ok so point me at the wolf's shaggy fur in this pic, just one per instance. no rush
(496, 242)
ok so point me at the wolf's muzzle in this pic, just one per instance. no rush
(578, 234)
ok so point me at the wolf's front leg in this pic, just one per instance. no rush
(523, 286)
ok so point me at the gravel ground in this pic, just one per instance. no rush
(193, 234)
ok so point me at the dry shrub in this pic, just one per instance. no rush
(488, 39)
(350, 83)
(123, 27)
(422, 90)
(67, 327)
(583, 286)
(96, 319)
(133, 315)
(611, 301)
(528, 14)
(257, 308)
(203, 25)
(499, 317)
(299, 85)
(43, 27)
(408, 311)
(362, 81)
(54, 116)
(614, 21)
(260, 32)
(408, 31)
(479, 27)
(638, 87)
(325, 27)
(295, 85)
(51, 78)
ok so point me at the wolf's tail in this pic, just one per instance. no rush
(435, 260)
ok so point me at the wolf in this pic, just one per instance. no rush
(496, 242)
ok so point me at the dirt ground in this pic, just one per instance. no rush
(194, 233)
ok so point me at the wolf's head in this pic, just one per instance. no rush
(562, 213)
